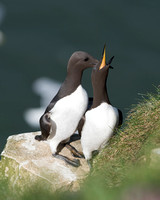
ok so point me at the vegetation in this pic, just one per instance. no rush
(140, 134)
(122, 168)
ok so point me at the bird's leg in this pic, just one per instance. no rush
(90, 158)
(89, 162)
(74, 162)
(74, 151)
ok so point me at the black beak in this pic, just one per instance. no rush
(109, 62)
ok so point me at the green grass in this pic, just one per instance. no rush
(140, 133)
(121, 168)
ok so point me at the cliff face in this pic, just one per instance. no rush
(26, 161)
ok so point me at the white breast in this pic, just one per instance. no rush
(66, 114)
(98, 128)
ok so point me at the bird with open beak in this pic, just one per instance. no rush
(102, 118)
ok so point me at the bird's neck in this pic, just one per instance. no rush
(71, 83)
(73, 79)
(100, 93)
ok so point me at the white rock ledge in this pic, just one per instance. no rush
(26, 161)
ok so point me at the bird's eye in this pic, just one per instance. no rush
(86, 59)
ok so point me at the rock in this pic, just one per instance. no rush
(26, 161)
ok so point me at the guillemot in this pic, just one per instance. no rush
(100, 121)
(64, 112)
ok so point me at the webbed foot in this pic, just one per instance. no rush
(74, 151)
(74, 162)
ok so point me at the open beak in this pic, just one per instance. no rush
(103, 62)
(110, 62)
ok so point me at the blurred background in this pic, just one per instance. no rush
(38, 37)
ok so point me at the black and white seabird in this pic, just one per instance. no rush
(64, 112)
(102, 118)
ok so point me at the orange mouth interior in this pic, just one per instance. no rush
(103, 63)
